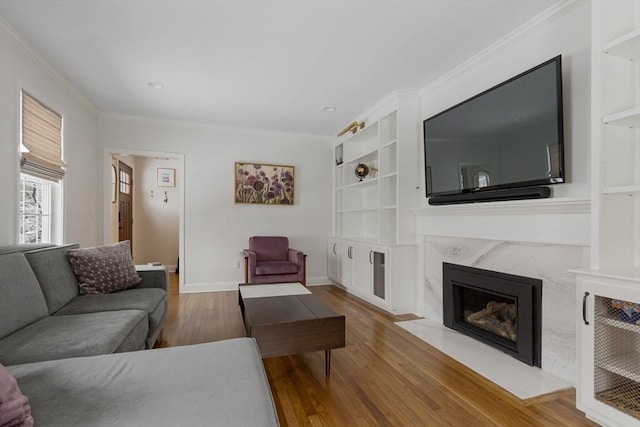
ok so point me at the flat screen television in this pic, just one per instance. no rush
(507, 137)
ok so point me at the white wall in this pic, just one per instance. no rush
(22, 68)
(217, 229)
(155, 222)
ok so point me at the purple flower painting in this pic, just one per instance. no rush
(265, 184)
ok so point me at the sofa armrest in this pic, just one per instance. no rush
(153, 276)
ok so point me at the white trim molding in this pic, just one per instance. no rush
(553, 13)
(563, 221)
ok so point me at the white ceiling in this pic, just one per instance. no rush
(270, 64)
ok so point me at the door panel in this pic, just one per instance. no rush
(125, 203)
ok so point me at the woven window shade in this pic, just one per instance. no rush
(42, 136)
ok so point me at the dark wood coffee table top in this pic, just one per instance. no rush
(292, 324)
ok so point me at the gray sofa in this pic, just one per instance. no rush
(214, 384)
(43, 316)
(58, 344)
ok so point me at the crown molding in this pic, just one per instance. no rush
(546, 17)
(42, 62)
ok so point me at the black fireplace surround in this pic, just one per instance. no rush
(464, 288)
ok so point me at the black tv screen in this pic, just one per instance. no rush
(506, 137)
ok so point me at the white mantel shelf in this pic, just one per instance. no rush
(564, 221)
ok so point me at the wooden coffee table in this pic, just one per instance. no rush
(286, 318)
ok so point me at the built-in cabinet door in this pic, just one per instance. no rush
(609, 349)
(362, 270)
(345, 263)
(380, 276)
(332, 260)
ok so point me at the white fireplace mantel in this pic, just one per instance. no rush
(564, 221)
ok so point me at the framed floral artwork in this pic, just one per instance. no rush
(264, 184)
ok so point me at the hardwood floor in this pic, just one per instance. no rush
(384, 376)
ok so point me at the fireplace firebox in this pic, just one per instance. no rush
(502, 310)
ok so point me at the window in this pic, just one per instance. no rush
(125, 182)
(35, 210)
(42, 169)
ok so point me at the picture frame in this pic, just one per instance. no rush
(166, 177)
(263, 183)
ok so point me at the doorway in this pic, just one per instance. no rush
(145, 205)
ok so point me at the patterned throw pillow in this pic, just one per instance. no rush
(14, 406)
(104, 269)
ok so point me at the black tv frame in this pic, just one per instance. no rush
(510, 191)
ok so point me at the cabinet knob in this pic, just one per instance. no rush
(370, 260)
(334, 249)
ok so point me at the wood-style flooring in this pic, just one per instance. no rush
(383, 377)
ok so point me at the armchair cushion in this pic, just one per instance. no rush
(276, 267)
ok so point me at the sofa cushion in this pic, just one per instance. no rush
(59, 337)
(55, 275)
(14, 406)
(276, 267)
(219, 383)
(104, 269)
(151, 301)
(21, 299)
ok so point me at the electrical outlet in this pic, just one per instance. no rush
(236, 264)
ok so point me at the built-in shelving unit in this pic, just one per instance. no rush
(608, 388)
(372, 252)
(375, 208)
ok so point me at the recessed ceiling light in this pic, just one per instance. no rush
(155, 85)
(329, 109)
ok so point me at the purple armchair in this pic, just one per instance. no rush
(270, 260)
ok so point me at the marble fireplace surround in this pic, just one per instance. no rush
(534, 238)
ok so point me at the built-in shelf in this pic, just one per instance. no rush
(362, 156)
(628, 118)
(363, 183)
(623, 189)
(390, 175)
(626, 365)
(620, 324)
(389, 143)
(626, 46)
(362, 210)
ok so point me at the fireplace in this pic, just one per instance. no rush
(502, 310)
